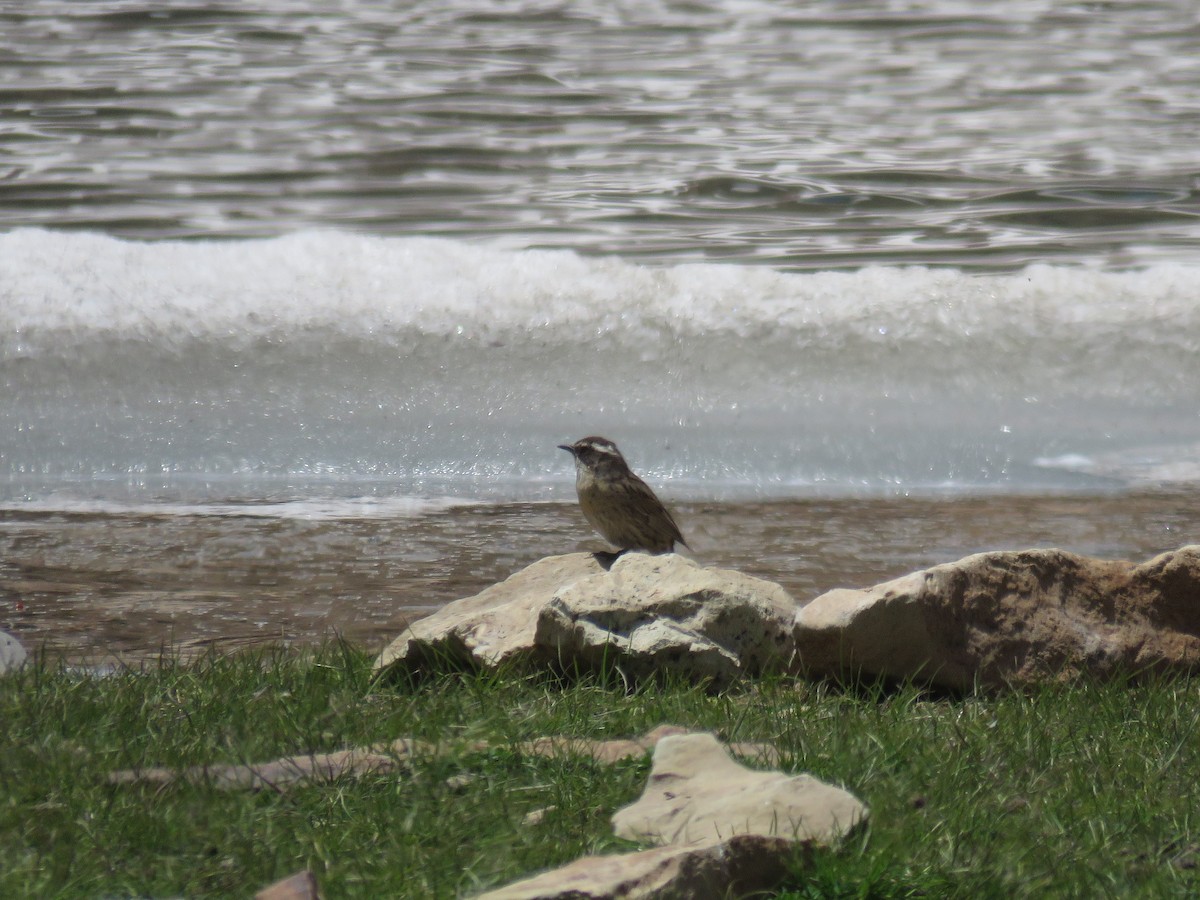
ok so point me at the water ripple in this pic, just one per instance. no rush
(839, 134)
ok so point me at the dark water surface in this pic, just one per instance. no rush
(92, 587)
(819, 135)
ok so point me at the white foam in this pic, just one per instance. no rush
(1158, 465)
(307, 510)
(57, 290)
(455, 368)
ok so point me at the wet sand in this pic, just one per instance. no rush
(95, 588)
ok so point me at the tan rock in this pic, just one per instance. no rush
(735, 867)
(1010, 618)
(490, 627)
(667, 613)
(698, 794)
(726, 830)
(280, 774)
(536, 817)
(619, 749)
(300, 886)
(643, 615)
(603, 751)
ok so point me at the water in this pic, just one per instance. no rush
(324, 365)
(827, 134)
(324, 287)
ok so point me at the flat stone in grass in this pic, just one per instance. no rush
(290, 771)
(281, 774)
(643, 615)
(1010, 617)
(733, 868)
(300, 886)
(697, 793)
(724, 830)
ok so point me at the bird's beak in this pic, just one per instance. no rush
(568, 448)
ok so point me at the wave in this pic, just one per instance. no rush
(308, 509)
(451, 365)
(60, 290)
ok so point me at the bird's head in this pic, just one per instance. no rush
(596, 453)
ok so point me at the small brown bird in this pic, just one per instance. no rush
(616, 502)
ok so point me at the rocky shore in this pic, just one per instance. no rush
(989, 621)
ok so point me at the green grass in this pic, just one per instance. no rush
(1078, 791)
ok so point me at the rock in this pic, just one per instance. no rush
(644, 615)
(300, 886)
(726, 830)
(1010, 617)
(281, 774)
(490, 628)
(603, 751)
(650, 614)
(617, 750)
(536, 817)
(740, 865)
(698, 794)
(398, 755)
(460, 782)
(12, 654)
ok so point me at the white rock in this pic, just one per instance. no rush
(12, 654)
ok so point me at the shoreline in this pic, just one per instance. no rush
(103, 588)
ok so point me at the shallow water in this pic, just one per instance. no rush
(91, 587)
